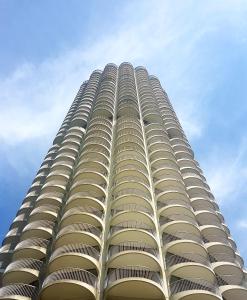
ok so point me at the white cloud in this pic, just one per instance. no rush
(227, 173)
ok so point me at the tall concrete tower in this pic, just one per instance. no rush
(120, 209)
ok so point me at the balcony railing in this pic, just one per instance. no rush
(73, 274)
(131, 225)
(132, 246)
(177, 217)
(76, 249)
(131, 207)
(191, 284)
(181, 235)
(133, 271)
(17, 289)
(187, 258)
(80, 227)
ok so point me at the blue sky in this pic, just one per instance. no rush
(197, 49)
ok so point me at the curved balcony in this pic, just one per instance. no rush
(183, 242)
(197, 191)
(44, 212)
(35, 248)
(132, 230)
(165, 173)
(132, 193)
(168, 184)
(134, 253)
(164, 163)
(132, 185)
(38, 229)
(69, 283)
(184, 218)
(84, 214)
(176, 210)
(85, 199)
(18, 291)
(232, 287)
(23, 270)
(89, 186)
(98, 140)
(183, 265)
(93, 166)
(161, 153)
(157, 139)
(49, 199)
(204, 204)
(54, 187)
(217, 243)
(78, 233)
(93, 156)
(193, 289)
(19, 220)
(132, 170)
(173, 195)
(134, 282)
(90, 175)
(128, 199)
(132, 212)
(12, 236)
(79, 255)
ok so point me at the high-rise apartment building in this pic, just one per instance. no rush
(120, 209)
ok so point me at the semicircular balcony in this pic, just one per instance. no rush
(102, 131)
(12, 236)
(161, 153)
(93, 166)
(201, 203)
(183, 154)
(78, 233)
(90, 175)
(132, 230)
(93, 156)
(79, 255)
(85, 199)
(194, 289)
(132, 170)
(69, 283)
(157, 139)
(159, 146)
(84, 214)
(100, 121)
(135, 253)
(124, 130)
(35, 248)
(183, 242)
(127, 158)
(38, 229)
(63, 168)
(44, 212)
(132, 211)
(232, 286)
(54, 186)
(163, 163)
(102, 109)
(96, 124)
(94, 147)
(165, 173)
(99, 140)
(168, 184)
(197, 191)
(127, 197)
(173, 195)
(184, 264)
(90, 186)
(178, 221)
(22, 271)
(70, 143)
(187, 163)
(19, 221)
(131, 183)
(49, 199)
(134, 282)
(18, 291)
(217, 243)
(177, 210)
(182, 146)
(151, 116)
(128, 109)
(208, 217)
